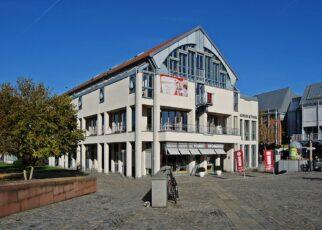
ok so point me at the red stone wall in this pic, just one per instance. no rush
(24, 195)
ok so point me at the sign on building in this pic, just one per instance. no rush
(239, 161)
(174, 85)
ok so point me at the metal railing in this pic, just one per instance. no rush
(207, 130)
(118, 128)
(307, 137)
(203, 100)
(91, 131)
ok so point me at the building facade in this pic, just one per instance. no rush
(176, 104)
(273, 117)
(310, 106)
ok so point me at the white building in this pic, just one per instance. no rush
(176, 104)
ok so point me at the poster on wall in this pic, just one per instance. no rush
(239, 161)
(174, 85)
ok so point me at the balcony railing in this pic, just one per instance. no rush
(307, 137)
(91, 131)
(118, 128)
(207, 130)
(204, 99)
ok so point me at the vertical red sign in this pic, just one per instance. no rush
(239, 160)
(269, 160)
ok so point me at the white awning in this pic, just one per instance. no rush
(194, 151)
(173, 151)
(184, 151)
(207, 151)
(220, 151)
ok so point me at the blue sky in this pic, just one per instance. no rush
(270, 44)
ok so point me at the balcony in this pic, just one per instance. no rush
(91, 131)
(118, 128)
(307, 137)
(204, 100)
(206, 130)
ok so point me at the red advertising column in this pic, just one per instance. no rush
(239, 160)
(269, 160)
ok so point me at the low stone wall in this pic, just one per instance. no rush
(24, 195)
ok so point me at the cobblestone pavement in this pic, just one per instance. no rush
(258, 201)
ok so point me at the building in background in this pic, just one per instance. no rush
(176, 104)
(310, 106)
(273, 116)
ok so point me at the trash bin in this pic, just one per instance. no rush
(159, 189)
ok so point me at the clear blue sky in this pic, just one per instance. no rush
(270, 44)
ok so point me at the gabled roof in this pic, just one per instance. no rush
(312, 93)
(278, 99)
(140, 59)
(125, 65)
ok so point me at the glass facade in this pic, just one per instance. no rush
(198, 66)
(174, 120)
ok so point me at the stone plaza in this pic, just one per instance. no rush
(258, 201)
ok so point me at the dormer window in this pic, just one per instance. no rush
(101, 95)
(80, 103)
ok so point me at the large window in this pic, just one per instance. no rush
(147, 89)
(247, 136)
(201, 66)
(132, 84)
(174, 120)
(254, 130)
(241, 131)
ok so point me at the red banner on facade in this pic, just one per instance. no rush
(269, 160)
(239, 161)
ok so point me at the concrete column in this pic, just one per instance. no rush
(73, 163)
(99, 124)
(229, 161)
(113, 159)
(128, 159)
(78, 155)
(192, 121)
(51, 161)
(121, 161)
(99, 157)
(83, 157)
(156, 125)
(256, 154)
(66, 161)
(143, 163)
(217, 164)
(203, 122)
(107, 123)
(119, 157)
(128, 118)
(106, 157)
(138, 115)
(61, 161)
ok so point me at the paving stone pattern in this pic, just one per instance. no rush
(260, 201)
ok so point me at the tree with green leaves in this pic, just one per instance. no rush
(36, 124)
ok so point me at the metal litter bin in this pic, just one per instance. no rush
(160, 189)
